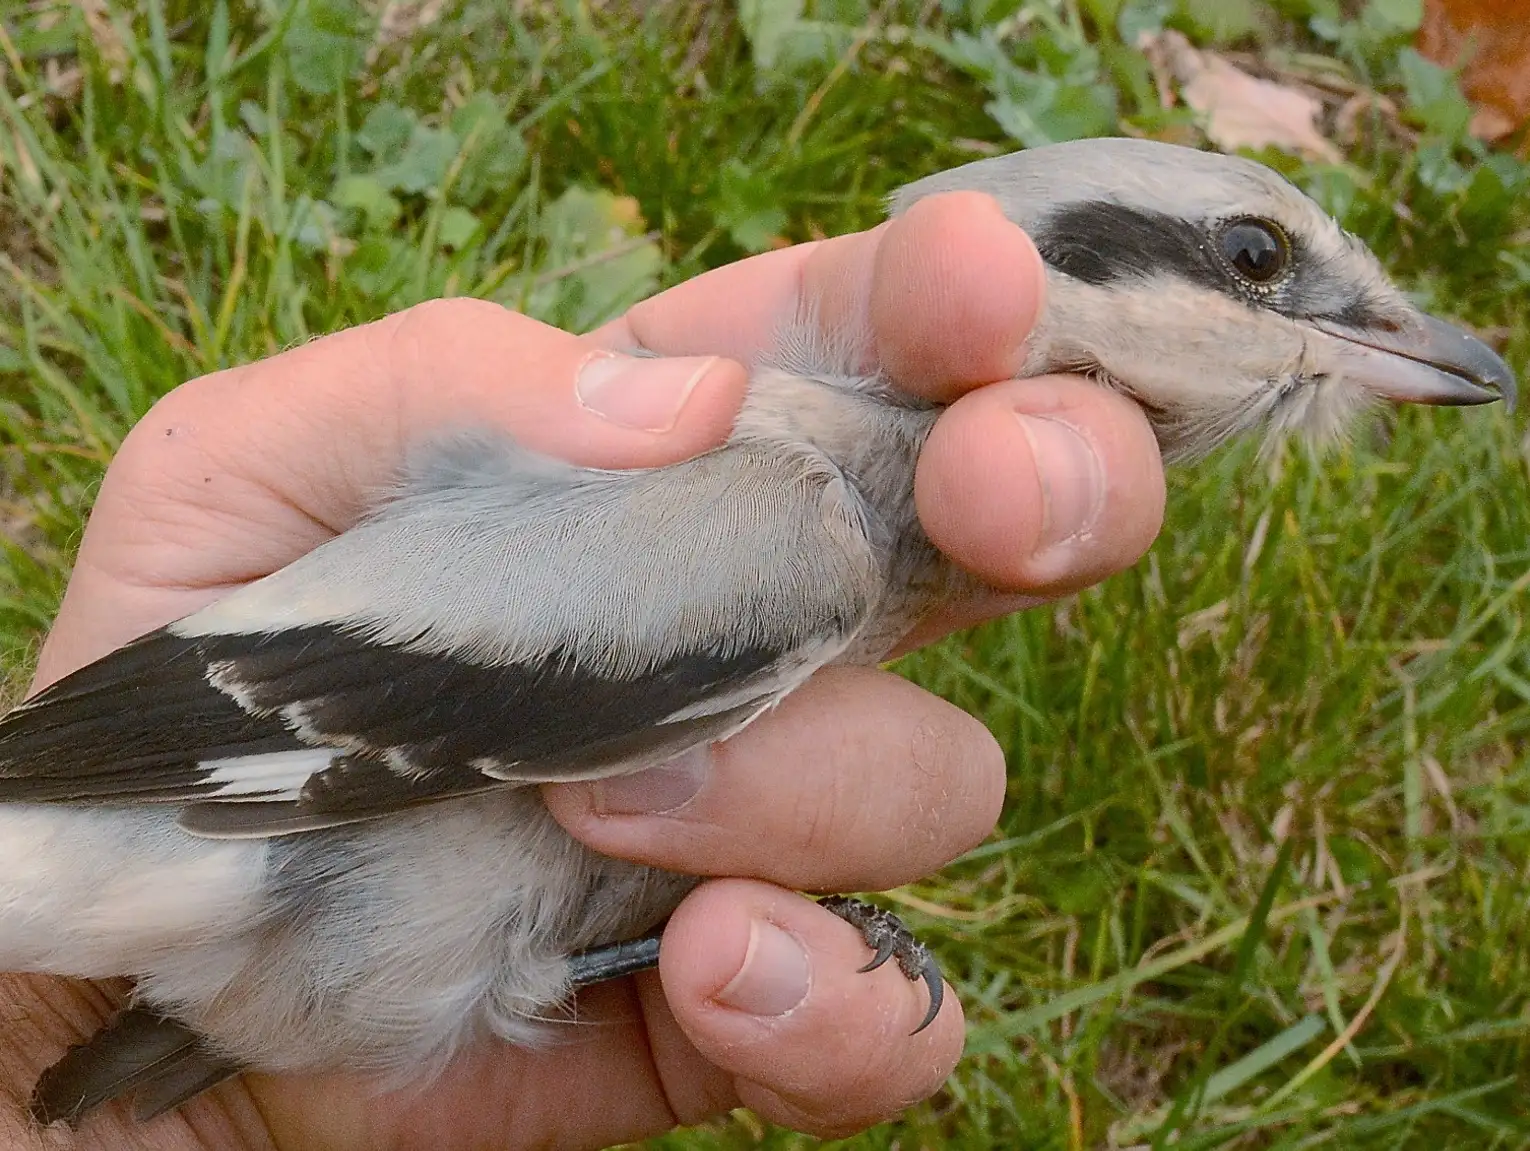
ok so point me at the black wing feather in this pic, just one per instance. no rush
(135, 725)
(437, 711)
(407, 726)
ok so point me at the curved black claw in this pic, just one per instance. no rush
(885, 933)
(885, 951)
(937, 985)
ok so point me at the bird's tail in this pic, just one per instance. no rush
(164, 1062)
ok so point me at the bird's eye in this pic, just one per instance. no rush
(1257, 250)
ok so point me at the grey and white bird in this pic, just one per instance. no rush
(301, 819)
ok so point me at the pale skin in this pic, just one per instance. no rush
(757, 1001)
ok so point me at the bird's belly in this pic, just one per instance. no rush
(101, 891)
(383, 946)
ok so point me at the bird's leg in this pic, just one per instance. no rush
(883, 932)
(615, 960)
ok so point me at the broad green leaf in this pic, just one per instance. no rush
(596, 264)
(324, 44)
(1434, 95)
(314, 224)
(1222, 21)
(1396, 17)
(494, 152)
(365, 194)
(422, 165)
(458, 226)
(766, 24)
(749, 207)
(386, 130)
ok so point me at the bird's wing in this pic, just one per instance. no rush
(503, 618)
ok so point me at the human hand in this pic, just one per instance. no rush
(237, 474)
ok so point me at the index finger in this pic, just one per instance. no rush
(941, 299)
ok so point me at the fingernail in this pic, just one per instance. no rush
(657, 791)
(1072, 479)
(635, 392)
(775, 975)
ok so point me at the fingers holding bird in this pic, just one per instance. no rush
(889, 783)
(761, 988)
(1037, 487)
(941, 299)
(1041, 486)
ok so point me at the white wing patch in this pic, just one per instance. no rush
(272, 775)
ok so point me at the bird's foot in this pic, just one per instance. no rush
(886, 935)
(883, 932)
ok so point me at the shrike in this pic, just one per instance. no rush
(301, 819)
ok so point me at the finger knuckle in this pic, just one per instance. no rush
(451, 311)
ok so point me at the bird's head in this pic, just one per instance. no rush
(1216, 294)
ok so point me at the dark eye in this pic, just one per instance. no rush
(1257, 249)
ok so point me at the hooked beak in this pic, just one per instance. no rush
(1430, 362)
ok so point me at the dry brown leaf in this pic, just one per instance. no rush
(398, 21)
(1492, 38)
(401, 19)
(1241, 111)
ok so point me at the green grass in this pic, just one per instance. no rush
(1261, 879)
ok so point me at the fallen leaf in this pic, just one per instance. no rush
(401, 19)
(1241, 111)
(1492, 39)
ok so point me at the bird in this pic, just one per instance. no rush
(303, 820)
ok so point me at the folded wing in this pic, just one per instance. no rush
(503, 618)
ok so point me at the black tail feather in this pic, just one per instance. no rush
(188, 1079)
(142, 1050)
